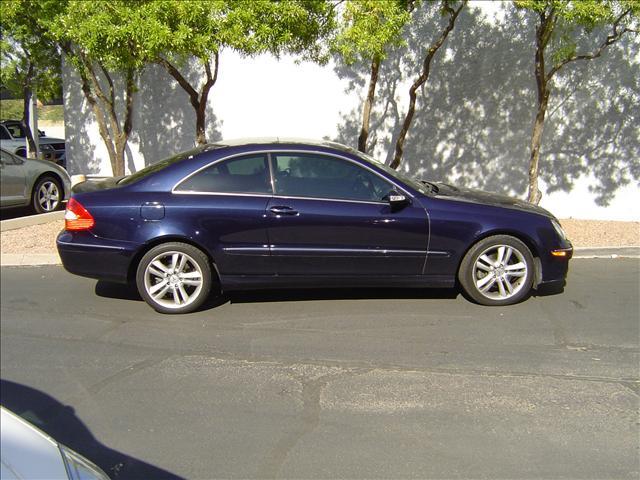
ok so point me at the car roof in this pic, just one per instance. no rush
(246, 141)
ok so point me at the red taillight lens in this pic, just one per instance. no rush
(76, 217)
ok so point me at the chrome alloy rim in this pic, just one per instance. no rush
(48, 196)
(500, 272)
(173, 279)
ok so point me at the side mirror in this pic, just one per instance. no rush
(397, 200)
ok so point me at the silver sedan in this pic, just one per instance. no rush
(39, 183)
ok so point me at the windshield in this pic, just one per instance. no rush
(419, 186)
(162, 164)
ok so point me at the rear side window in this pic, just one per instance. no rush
(4, 134)
(248, 174)
(319, 176)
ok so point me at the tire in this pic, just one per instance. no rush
(497, 271)
(47, 195)
(174, 277)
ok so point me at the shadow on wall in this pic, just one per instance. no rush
(164, 121)
(61, 423)
(77, 115)
(474, 117)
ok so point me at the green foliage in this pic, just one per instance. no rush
(12, 109)
(29, 58)
(570, 18)
(369, 27)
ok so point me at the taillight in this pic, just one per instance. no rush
(76, 217)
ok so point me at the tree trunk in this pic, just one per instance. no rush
(31, 143)
(424, 75)
(198, 100)
(534, 160)
(27, 95)
(543, 35)
(368, 104)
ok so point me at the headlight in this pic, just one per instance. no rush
(79, 468)
(558, 229)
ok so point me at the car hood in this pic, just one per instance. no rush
(487, 198)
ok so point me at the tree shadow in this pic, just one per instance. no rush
(80, 152)
(164, 121)
(60, 422)
(474, 115)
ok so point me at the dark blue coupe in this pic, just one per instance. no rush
(274, 213)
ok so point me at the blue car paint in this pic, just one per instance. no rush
(328, 243)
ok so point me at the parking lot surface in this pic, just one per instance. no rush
(331, 383)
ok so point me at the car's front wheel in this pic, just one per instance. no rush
(174, 277)
(47, 195)
(497, 270)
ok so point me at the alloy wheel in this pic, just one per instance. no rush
(500, 272)
(48, 196)
(173, 279)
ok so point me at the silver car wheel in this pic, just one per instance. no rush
(173, 279)
(500, 272)
(49, 196)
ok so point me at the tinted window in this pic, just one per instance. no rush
(9, 159)
(238, 175)
(4, 134)
(16, 130)
(308, 175)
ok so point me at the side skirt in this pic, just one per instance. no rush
(249, 282)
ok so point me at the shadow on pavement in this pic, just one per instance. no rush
(9, 213)
(61, 423)
(286, 295)
(129, 292)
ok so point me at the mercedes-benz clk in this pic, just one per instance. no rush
(290, 214)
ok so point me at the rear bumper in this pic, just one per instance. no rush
(90, 256)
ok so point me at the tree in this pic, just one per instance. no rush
(30, 60)
(105, 46)
(559, 26)
(367, 30)
(451, 13)
(179, 31)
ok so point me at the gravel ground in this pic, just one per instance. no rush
(583, 233)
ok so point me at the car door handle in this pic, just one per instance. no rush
(280, 210)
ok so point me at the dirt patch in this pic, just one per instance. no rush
(601, 233)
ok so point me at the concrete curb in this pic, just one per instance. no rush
(607, 252)
(28, 221)
(32, 259)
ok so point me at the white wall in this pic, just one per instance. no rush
(264, 96)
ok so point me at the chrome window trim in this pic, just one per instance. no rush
(195, 192)
(269, 152)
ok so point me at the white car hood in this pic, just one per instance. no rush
(26, 452)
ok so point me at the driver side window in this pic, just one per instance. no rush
(318, 176)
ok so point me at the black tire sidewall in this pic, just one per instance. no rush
(34, 194)
(465, 275)
(198, 255)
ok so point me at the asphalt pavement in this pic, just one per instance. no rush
(331, 383)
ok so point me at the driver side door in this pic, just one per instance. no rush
(13, 185)
(329, 216)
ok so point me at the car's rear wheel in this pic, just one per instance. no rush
(174, 277)
(497, 270)
(47, 195)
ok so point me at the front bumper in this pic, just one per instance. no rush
(88, 255)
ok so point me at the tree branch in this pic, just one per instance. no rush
(183, 82)
(613, 37)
